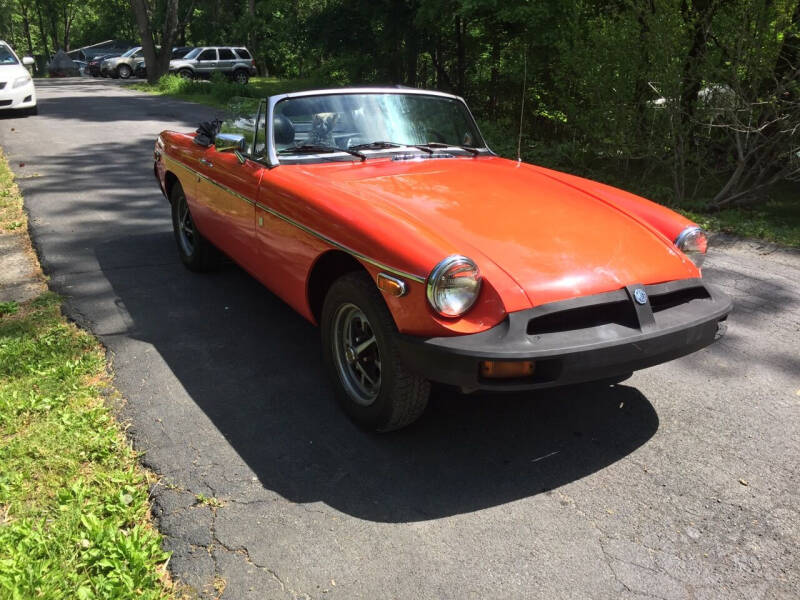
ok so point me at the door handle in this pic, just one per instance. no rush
(207, 163)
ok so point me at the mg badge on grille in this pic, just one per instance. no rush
(640, 296)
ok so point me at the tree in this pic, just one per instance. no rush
(157, 58)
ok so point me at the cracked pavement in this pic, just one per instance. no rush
(682, 482)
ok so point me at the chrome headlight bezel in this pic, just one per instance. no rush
(452, 268)
(693, 242)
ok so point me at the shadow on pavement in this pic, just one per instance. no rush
(253, 366)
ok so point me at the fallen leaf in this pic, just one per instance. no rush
(21, 164)
(743, 482)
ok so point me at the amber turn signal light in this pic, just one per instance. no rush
(391, 285)
(503, 369)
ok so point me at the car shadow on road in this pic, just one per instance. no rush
(254, 367)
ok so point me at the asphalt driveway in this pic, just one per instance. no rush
(680, 483)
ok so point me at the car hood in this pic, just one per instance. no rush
(556, 240)
(11, 72)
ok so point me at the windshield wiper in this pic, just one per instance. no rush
(380, 145)
(321, 148)
(470, 149)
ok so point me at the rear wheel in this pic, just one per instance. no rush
(124, 71)
(241, 76)
(358, 338)
(195, 251)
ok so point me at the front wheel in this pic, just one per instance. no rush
(195, 251)
(186, 74)
(124, 71)
(372, 384)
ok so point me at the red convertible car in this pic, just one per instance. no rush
(381, 215)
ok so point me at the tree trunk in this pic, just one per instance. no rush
(54, 31)
(42, 31)
(460, 56)
(26, 27)
(157, 61)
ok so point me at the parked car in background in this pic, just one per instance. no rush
(140, 68)
(93, 66)
(121, 66)
(16, 84)
(381, 215)
(235, 62)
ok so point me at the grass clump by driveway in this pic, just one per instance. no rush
(73, 501)
(219, 90)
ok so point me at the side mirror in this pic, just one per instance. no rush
(230, 141)
(27, 61)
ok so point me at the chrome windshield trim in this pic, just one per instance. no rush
(317, 234)
(335, 244)
(272, 101)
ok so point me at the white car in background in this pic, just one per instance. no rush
(16, 84)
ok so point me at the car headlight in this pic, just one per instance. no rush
(20, 81)
(453, 286)
(693, 242)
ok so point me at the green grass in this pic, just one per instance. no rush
(74, 509)
(777, 220)
(12, 217)
(219, 91)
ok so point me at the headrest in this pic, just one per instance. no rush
(283, 129)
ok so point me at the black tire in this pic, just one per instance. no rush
(196, 253)
(186, 73)
(124, 72)
(241, 76)
(401, 396)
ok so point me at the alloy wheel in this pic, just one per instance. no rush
(356, 354)
(186, 232)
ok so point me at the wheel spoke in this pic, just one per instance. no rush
(364, 374)
(364, 345)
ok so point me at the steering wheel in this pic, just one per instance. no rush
(437, 135)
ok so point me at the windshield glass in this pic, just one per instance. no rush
(193, 53)
(130, 52)
(6, 56)
(358, 120)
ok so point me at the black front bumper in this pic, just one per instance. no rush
(599, 337)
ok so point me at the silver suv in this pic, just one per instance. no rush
(235, 62)
(121, 66)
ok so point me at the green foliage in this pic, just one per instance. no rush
(702, 92)
(219, 90)
(73, 503)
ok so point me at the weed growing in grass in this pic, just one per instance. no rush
(8, 308)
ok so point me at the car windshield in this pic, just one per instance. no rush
(7, 56)
(193, 53)
(373, 121)
(130, 52)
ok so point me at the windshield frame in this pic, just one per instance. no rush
(130, 52)
(272, 157)
(192, 54)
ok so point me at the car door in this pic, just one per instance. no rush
(207, 61)
(225, 60)
(226, 193)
